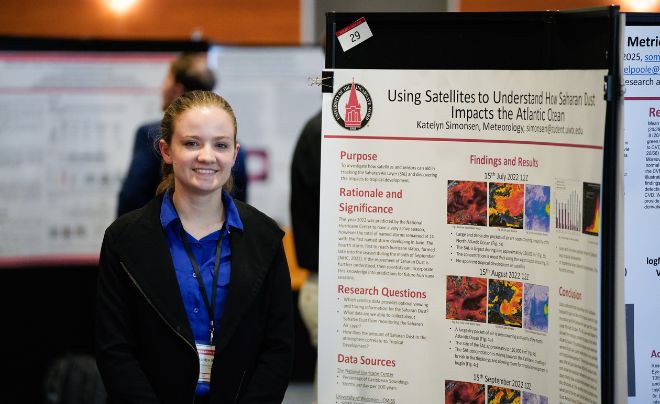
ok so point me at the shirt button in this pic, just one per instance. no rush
(196, 310)
(194, 275)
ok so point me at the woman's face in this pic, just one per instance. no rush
(202, 150)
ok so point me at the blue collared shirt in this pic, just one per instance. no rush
(204, 252)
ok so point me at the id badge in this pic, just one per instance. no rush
(206, 355)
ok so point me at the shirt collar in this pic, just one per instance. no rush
(168, 213)
(233, 219)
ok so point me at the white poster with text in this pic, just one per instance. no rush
(642, 210)
(460, 224)
(67, 133)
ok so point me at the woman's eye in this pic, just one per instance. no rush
(221, 145)
(190, 143)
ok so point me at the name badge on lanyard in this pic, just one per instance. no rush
(206, 354)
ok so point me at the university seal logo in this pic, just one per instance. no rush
(351, 106)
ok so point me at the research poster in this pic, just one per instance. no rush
(68, 126)
(642, 210)
(459, 245)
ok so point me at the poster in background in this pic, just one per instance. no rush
(68, 126)
(460, 224)
(69, 121)
(642, 209)
(269, 89)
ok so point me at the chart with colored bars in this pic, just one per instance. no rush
(577, 206)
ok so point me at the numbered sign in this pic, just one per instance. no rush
(354, 34)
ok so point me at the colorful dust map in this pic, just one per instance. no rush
(466, 202)
(464, 393)
(590, 208)
(531, 398)
(505, 302)
(501, 395)
(537, 208)
(505, 206)
(535, 307)
(466, 298)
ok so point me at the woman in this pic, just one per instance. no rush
(163, 333)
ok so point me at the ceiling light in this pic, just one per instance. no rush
(641, 5)
(120, 6)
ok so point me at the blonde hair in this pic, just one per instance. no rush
(186, 102)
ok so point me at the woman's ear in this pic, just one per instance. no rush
(165, 151)
(236, 149)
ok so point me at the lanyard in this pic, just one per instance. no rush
(210, 306)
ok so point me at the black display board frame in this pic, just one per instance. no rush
(35, 44)
(644, 19)
(580, 39)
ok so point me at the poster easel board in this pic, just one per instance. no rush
(401, 153)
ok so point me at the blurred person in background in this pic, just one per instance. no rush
(304, 207)
(188, 72)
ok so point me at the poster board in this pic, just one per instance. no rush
(642, 204)
(270, 92)
(420, 254)
(70, 110)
